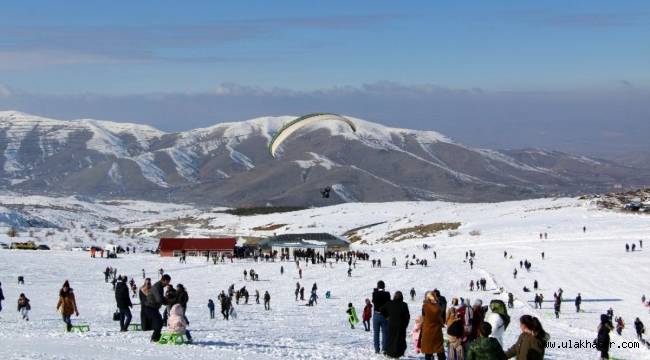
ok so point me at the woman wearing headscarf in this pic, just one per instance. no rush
(498, 319)
(455, 332)
(398, 316)
(431, 333)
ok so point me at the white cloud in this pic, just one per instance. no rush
(18, 60)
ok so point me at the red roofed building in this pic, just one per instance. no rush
(196, 247)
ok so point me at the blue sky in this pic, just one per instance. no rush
(167, 46)
(77, 58)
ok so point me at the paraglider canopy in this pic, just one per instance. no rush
(298, 123)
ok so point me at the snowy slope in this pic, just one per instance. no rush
(593, 263)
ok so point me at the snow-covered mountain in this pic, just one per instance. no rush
(229, 164)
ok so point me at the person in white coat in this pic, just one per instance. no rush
(498, 318)
(177, 322)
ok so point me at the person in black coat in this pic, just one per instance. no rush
(2, 296)
(124, 304)
(155, 299)
(397, 312)
(603, 340)
(578, 302)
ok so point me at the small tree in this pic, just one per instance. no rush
(12, 232)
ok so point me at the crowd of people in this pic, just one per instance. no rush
(473, 331)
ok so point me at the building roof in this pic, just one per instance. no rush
(324, 238)
(190, 244)
(299, 244)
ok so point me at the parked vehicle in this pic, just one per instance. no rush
(29, 245)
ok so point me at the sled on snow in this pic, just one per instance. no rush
(79, 328)
(352, 316)
(167, 338)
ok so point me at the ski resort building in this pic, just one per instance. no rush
(320, 243)
(197, 247)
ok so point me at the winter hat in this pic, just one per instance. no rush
(604, 318)
(478, 303)
(381, 285)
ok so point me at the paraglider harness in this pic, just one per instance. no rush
(326, 192)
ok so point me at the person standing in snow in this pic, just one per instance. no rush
(412, 294)
(67, 304)
(352, 315)
(182, 297)
(531, 343)
(486, 347)
(578, 302)
(2, 297)
(124, 305)
(142, 295)
(558, 303)
(416, 333)
(380, 297)
(24, 307)
(367, 315)
(431, 339)
(478, 317)
(211, 308)
(511, 300)
(397, 313)
(620, 325)
(640, 329)
(498, 319)
(155, 299)
(226, 304)
(455, 332)
(603, 339)
(267, 301)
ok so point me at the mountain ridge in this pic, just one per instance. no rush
(229, 164)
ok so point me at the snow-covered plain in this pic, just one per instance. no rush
(593, 263)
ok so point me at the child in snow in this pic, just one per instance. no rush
(367, 315)
(177, 323)
(24, 307)
(620, 325)
(352, 315)
(415, 334)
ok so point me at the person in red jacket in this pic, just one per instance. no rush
(367, 315)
